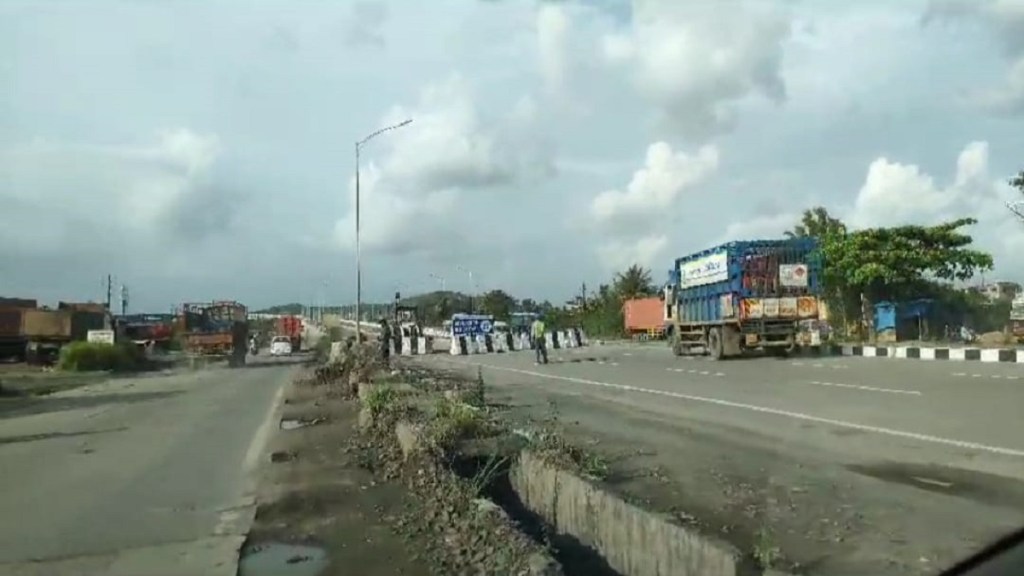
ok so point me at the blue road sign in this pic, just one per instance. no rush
(471, 324)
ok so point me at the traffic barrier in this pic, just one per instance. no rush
(506, 342)
(416, 346)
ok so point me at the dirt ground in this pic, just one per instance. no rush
(347, 493)
(317, 490)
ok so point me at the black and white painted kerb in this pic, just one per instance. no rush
(925, 353)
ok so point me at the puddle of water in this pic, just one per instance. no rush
(294, 423)
(280, 559)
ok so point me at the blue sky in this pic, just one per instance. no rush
(204, 149)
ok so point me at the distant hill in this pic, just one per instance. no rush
(293, 308)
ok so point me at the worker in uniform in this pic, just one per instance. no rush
(540, 346)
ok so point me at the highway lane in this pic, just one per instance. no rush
(968, 403)
(908, 463)
(137, 476)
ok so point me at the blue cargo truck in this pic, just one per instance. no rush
(740, 296)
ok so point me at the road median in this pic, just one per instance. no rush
(477, 494)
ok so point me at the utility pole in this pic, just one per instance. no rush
(110, 290)
(124, 299)
(359, 264)
(583, 290)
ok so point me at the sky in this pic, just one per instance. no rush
(202, 150)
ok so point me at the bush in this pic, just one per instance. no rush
(94, 356)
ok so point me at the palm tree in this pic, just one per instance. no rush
(817, 223)
(635, 281)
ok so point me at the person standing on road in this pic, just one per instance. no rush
(385, 341)
(540, 346)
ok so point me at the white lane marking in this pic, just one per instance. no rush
(867, 388)
(829, 365)
(700, 372)
(776, 412)
(993, 376)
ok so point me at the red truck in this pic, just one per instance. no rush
(644, 318)
(291, 326)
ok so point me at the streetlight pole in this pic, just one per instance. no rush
(472, 286)
(359, 264)
(441, 280)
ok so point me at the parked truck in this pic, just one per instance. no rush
(33, 335)
(644, 318)
(217, 328)
(291, 327)
(744, 295)
(36, 335)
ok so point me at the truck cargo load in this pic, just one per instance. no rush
(291, 327)
(644, 318)
(217, 328)
(46, 324)
(33, 334)
(83, 321)
(18, 302)
(743, 295)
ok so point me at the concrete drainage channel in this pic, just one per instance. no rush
(591, 531)
(496, 474)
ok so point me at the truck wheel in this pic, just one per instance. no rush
(715, 344)
(677, 347)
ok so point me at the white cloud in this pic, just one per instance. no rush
(410, 200)
(695, 60)
(1006, 19)
(895, 194)
(759, 227)
(254, 184)
(552, 27)
(655, 190)
(647, 251)
(102, 196)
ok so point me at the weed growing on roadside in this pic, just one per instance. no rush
(555, 448)
(485, 475)
(476, 395)
(765, 552)
(456, 421)
(380, 399)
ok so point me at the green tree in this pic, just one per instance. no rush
(817, 223)
(889, 263)
(1018, 181)
(633, 282)
(498, 303)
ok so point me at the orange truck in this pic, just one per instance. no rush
(644, 318)
(291, 326)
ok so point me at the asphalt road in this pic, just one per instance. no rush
(139, 476)
(853, 465)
